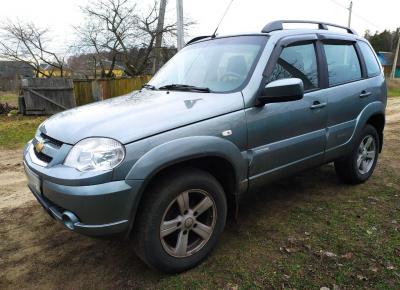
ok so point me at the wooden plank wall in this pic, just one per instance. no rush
(47, 96)
(83, 92)
(87, 91)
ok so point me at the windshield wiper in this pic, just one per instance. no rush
(150, 87)
(180, 87)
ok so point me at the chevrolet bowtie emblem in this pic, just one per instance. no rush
(39, 147)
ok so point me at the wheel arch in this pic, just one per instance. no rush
(378, 122)
(373, 114)
(220, 157)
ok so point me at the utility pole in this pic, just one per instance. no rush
(396, 55)
(158, 40)
(179, 24)
(350, 12)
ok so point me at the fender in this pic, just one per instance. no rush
(369, 110)
(187, 148)
(374, 108)
(184, 149)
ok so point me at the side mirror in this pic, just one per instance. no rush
(284, 90)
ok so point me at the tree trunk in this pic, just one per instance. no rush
(158, 43)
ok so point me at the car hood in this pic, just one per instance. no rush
(138, 115)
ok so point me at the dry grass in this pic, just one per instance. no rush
(9, 97)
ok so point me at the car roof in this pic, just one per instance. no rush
(275, 29)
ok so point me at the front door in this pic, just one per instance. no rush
(289, 136)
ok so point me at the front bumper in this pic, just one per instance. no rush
(100, 209)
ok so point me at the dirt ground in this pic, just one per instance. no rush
(38, 253)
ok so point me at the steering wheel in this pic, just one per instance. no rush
(229, 75)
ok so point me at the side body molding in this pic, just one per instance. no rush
(187, 148)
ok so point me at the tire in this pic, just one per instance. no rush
(350, 169)
(164, 202)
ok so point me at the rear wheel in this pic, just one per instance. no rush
(360, 164)
(180, 221)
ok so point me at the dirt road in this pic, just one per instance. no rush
(38, 253)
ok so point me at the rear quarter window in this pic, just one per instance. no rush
(343, 63)
(373, 67)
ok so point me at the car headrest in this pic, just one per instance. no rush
(237, 64)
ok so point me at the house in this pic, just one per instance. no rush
(386, 59)
(47, 70)
(117, 71)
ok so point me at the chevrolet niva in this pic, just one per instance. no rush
(225, 116)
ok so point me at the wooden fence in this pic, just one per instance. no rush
(87, 91)
(46, 96)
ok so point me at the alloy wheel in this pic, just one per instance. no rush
(366, 154)
(188, 223)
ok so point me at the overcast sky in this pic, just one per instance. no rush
(243, 16)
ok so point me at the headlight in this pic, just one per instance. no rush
(95, 154)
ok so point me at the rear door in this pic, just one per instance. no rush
(289, 136)
(345, 92)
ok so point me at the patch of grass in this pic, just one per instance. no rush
(15, 131)
(394, 92)
(9, 97)
(393, 87)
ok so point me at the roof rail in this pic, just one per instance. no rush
(198, 38)
(278, 25)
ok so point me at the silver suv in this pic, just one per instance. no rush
(224, 117)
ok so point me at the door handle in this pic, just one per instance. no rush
(317, 105)
(365, 94)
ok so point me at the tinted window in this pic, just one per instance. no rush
(343, 63)
(373, 67)
(298, 61)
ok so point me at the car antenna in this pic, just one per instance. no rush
(222, 18)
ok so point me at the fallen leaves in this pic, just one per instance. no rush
(322, 253)
(390, 267)
(361, 277)
(374, 269)
(294, 245)
(347, 256)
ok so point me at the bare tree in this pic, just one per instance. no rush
(98, 44)
(126, 31)
(29, 44)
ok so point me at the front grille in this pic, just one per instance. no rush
(51, 140)
(50, 149)
(43, 157)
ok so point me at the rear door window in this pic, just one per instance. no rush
(373, 68)
(343, 63)
(298, 61)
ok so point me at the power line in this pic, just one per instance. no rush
(339, 4)
(356, 14)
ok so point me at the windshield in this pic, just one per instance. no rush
(217, 65)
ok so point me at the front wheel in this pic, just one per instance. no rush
(360, 164)
(182, 217)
